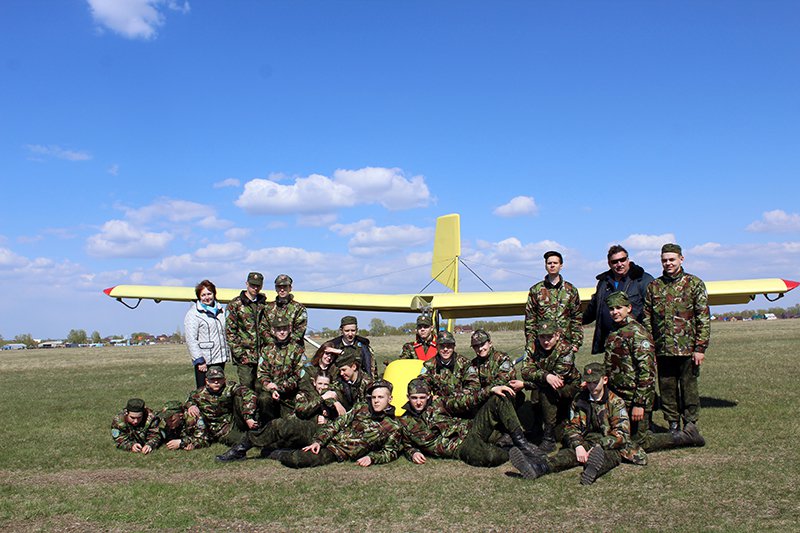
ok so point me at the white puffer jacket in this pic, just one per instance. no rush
(205, 335)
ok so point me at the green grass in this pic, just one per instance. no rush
(59, 469)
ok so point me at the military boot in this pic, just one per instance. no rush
(593, 465)
(548, 439)
(528, 467)
(265, 453)
(237, 452)
(674, 427)
(530, 450)
(690, 436)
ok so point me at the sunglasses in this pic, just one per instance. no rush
(621, 260)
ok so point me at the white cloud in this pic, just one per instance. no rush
(170, 210)
(237, 234)
(316, 221)
(284, 256)
(113, 169)
(9, 259)
(776, 221)
(57, 152)
(212, 222)
(134, 19)
(638, 241)
(228, 251)
(229, 182)
(369, 239)
(517, 207)
(119, 238)
(319, 194)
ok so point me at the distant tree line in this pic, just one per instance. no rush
(780, 312)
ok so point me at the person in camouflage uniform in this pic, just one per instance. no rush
(349, 337)
(491, 367)
(245, 328)
(447, 373)
(279, 372)
(313, 409)
(352, 384)
(227, 410)
(556, 299)
(424, 346)
(676, 314)
(429, 428)
(135, 428)
(549, 373)
(176, 426)
(597, 431)
(630, 365)
(284, 306)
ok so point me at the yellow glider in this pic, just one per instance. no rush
(450, 305)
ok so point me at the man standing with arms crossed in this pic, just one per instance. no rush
(676, 314)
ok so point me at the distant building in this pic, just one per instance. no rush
(15, 346)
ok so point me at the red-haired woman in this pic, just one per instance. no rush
(204, 327)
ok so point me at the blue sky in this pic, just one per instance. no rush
(165, 141)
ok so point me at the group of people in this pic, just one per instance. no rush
(336, 407)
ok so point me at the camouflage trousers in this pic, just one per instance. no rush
(565, 459)
(247, 375)
(497, 415)
(301, 459)
(290, 432)
(271, 409)
(238, 427)
(677, 385)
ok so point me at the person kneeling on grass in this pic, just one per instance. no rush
(598, 430)
(429, 428)
(135, 428)
(367, 434)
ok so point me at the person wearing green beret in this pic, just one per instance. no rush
(677, 316)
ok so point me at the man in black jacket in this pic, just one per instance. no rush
(623, 275)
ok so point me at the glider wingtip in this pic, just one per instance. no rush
(108, 290)
(790, 284)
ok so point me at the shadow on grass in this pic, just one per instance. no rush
(712, 403)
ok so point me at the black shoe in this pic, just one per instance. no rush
(548, 443)
(522, 463)
(236, 453)
(504, 442)
(530, 450)
(693, 436)
(593, 465)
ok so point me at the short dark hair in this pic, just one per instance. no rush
(205, 284)
(614, 250)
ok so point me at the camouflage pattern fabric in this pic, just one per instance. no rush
(428, 349)
(125, 435)
(676, 314)
(361, 432)
(559, 361)
(281, 364)
(222, 413)
(451, 377)
(245, 327)
(630, 364)
(559, 303)
(349, 394)
(292, 311)
(677, 383)
(183, 431)
(604, 423)
(494, 369)
(308, 405)
(289, 432)
(368, 361)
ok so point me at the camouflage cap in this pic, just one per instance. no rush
(547, 327)
(617, 299)
(593, 372)
(215, 372)
(424, 320)
(445, 337)
(551, 253)
(348, 356)
(256, 279)
(347, 321)
(281, 322)
(135, 405)
(378, 383)
(282, 280)
(418, 386)
(671, 248)
(479, 336)
(171, 408)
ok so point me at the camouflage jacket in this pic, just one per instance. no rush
(360, 432)
(309, 404)
(126, 435)
(420, 349)
(297, 315)
(494, 369)
(560, 303)
(183, 431)
(676, 314)
(349, 394)
(368, 361)
(245, 327)
(630, 362)
(217, 411)
(559, 361)
(449, 380)
(604, 422)
(434, 431)
(281, 364)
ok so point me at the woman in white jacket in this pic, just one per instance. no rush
(204, 327)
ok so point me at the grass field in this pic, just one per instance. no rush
(59, 469)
